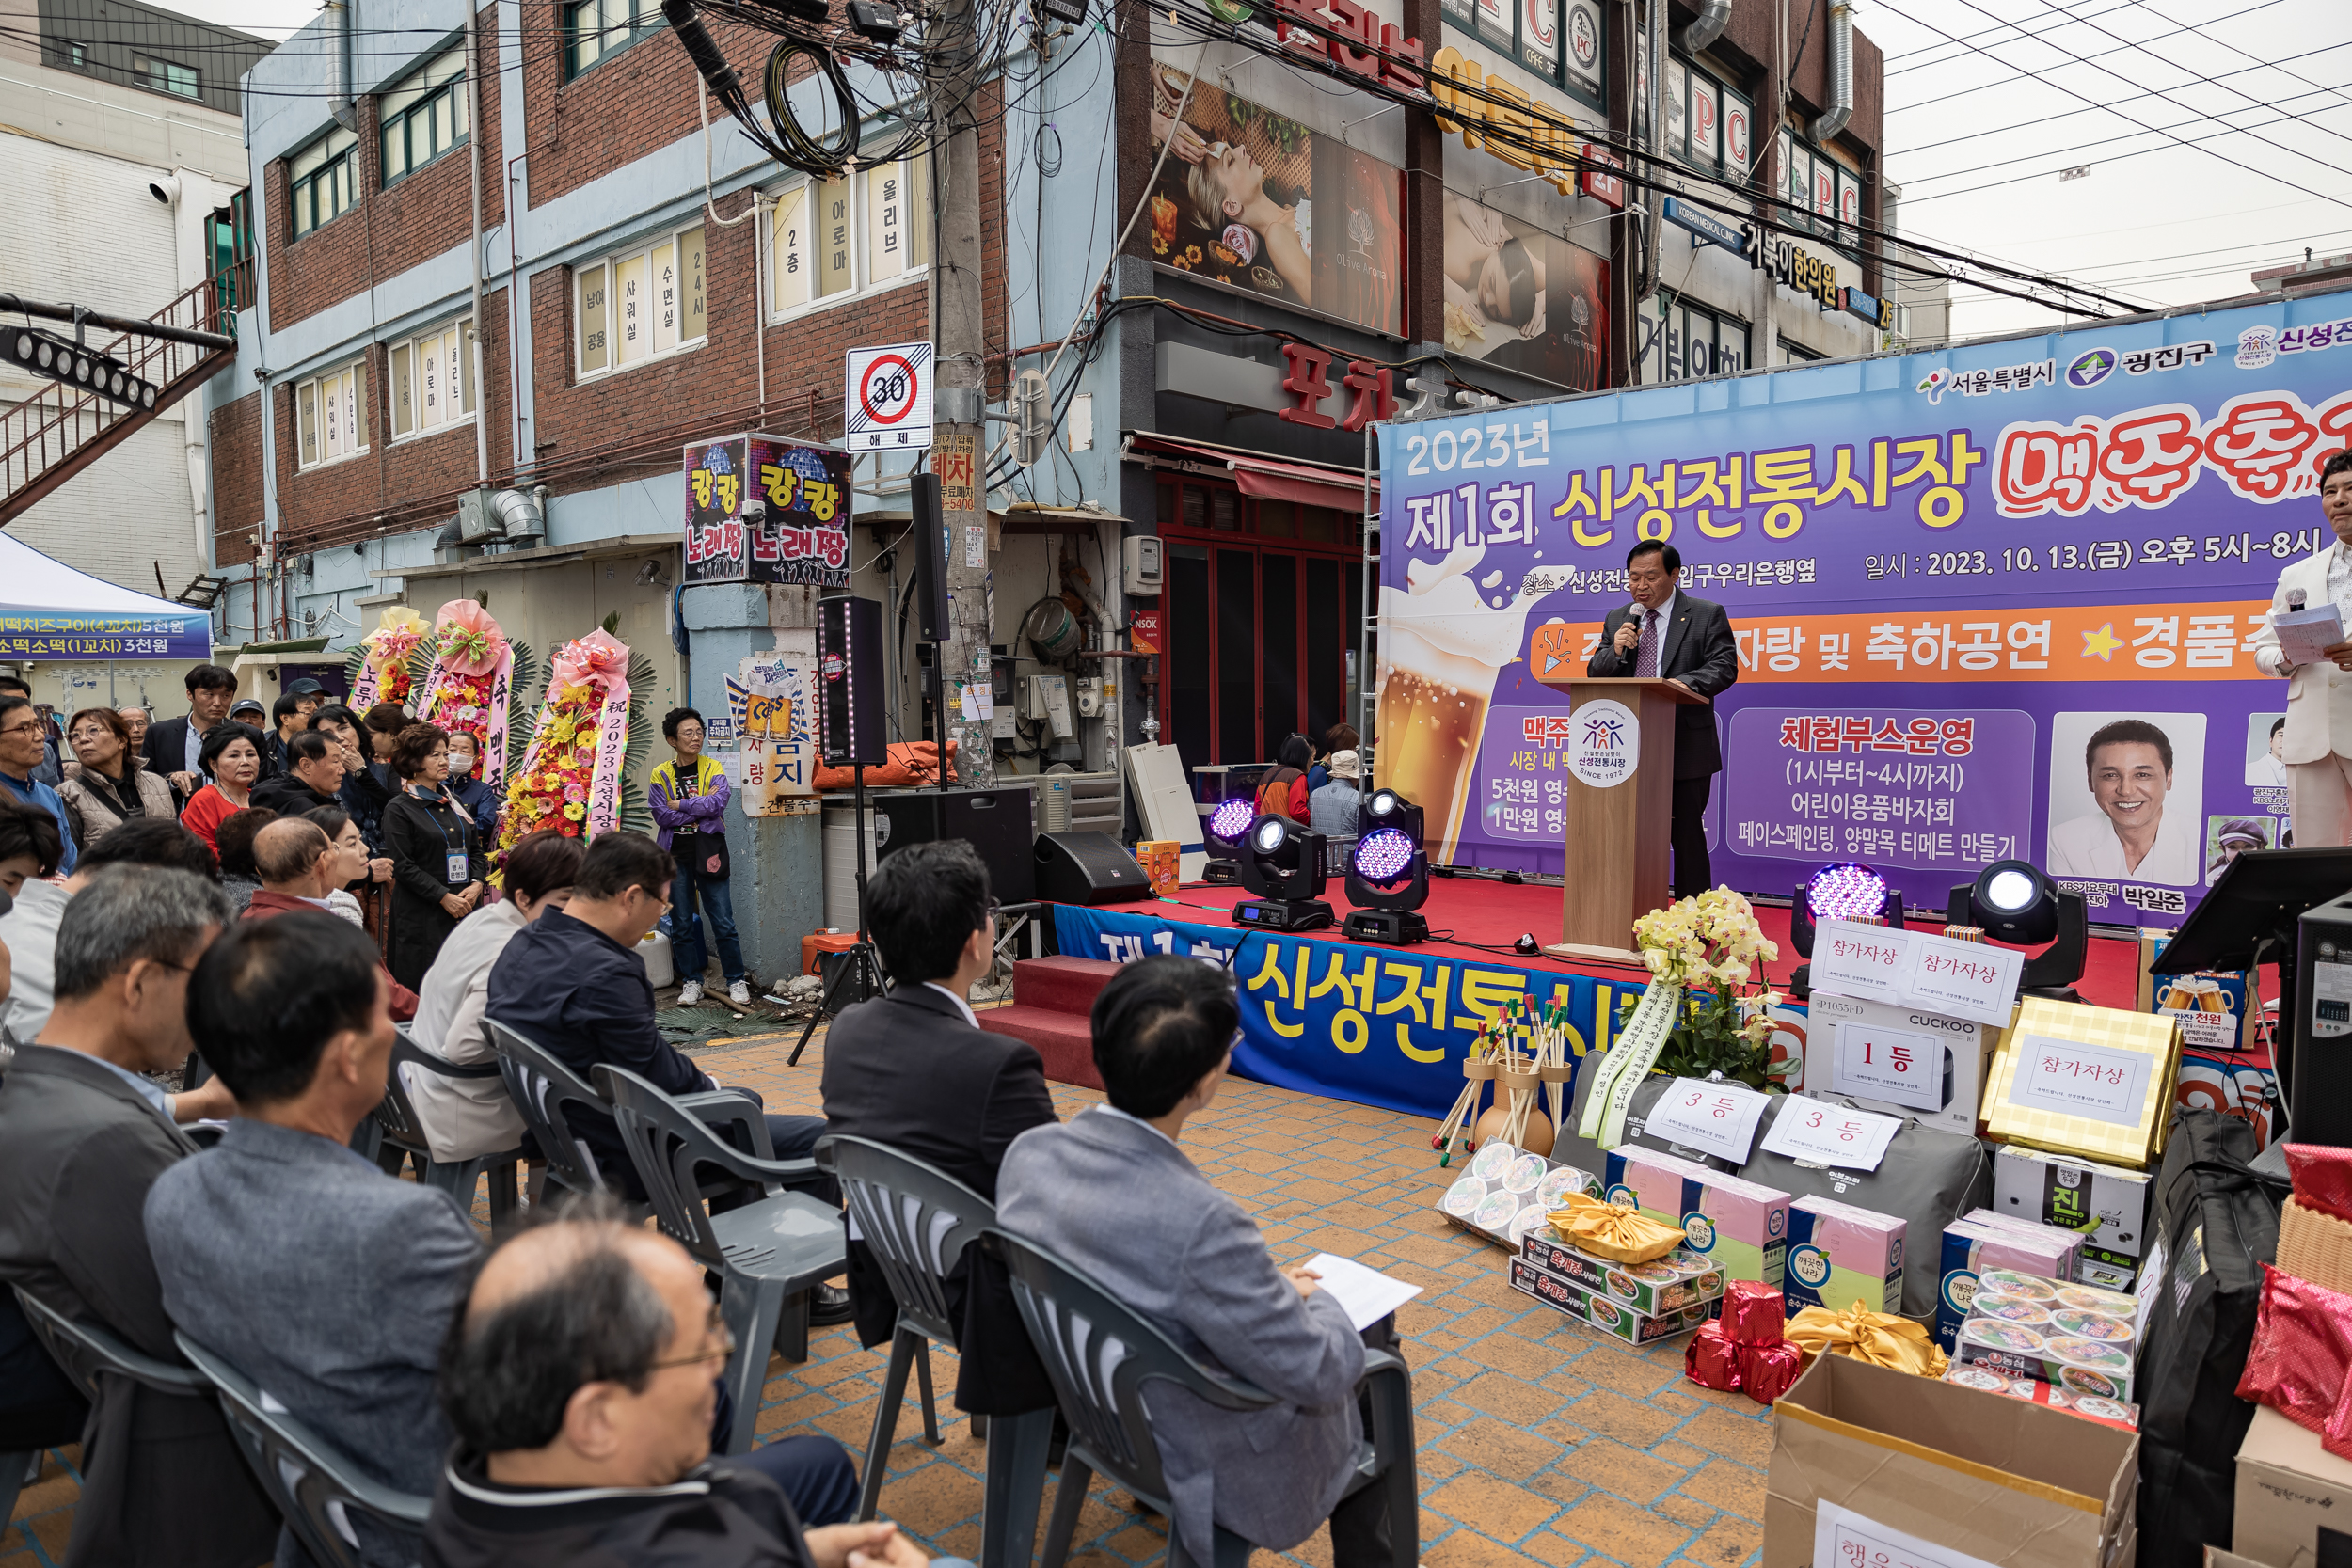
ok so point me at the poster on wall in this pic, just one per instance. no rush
(773, 709)
(1523, 299)
(1995, 602)
(1252, 199)
(765, 509)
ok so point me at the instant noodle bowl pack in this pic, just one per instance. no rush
(2010, 1309)
(1598, 1307)
(1840, 1255)
(1985, 1244)
(2033, 1390)
(2097, 1368)
(2089, 1298)
(1740, 1227)
(1505, 1193)
(1680, 1279)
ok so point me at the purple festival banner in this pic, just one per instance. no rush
(1993, 602)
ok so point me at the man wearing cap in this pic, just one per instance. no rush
(1333, 809)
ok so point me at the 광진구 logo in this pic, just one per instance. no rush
(2090, 367)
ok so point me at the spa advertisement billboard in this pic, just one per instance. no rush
(1995, 602)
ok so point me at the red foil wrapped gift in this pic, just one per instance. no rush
(2323, 1177)
(1767, 1371)
(1712, 1360)
(1754, 1313)
(2301, 1352)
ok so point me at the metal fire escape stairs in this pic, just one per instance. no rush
(61, 430)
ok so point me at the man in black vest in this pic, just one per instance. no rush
(1666, 633)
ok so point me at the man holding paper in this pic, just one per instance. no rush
(2318, 750)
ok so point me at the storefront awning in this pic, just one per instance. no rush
(1267, 478)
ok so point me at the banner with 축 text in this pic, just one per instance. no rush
(1992, 602)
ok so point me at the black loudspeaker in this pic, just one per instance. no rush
(995, 822)
(931, 560)
(1088, 868)
(850, 682)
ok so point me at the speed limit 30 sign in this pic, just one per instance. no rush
(887, 401)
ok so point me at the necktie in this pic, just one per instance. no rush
(1645, 652)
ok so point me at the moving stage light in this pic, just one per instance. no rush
(1388, 874)
(2016, 902)
(1282, 864)
(1846, 889)
(1228, 825)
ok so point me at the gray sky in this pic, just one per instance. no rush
(2151, 221)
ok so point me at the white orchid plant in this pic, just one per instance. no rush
(1713, 946)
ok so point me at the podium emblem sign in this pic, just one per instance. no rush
(1605, 747)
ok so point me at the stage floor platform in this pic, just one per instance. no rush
(1468, 913)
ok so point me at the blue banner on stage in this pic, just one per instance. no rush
(1387, 1027)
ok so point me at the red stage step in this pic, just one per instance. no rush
(1052, 998)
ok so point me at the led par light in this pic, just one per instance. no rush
(1846, 889)
(2016, 902)
(1282, 864)
(1228, 825)
(48, 354)
(1388, 874)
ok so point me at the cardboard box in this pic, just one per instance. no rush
(2011, 1482)
(1973, 1246)
(2037, 1236)
(1840, 1255)
(1740, 1227)
(2113, 1413)
(2214, 1006)
(1902, 1061)
(2293, 1498)
(1682, 1278)
(2109, 1204)
(1594, 1306)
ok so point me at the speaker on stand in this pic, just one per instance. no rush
(849, 733)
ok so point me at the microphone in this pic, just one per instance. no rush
(2294, 599)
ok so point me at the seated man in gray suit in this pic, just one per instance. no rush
(85, 1133)
(1112, 1192)
(281, 1249)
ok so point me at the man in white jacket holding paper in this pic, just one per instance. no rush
(2318, 752)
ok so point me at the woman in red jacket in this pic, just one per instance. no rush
(231, 758)
(1283, 792)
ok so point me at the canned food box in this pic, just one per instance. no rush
(2098, 1368)
(1682, 1278)
(2033, 1390)
(1611, 1317)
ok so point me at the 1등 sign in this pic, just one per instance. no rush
(2097, 1081)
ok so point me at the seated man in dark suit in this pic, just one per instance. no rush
(355, 1275)
(572, 984)
(1113, 1194)
(578, 1379)
(84, 1135)
(913, 1069)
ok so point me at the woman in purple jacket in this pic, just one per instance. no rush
(689, 798)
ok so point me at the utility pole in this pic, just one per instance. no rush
(959, 449)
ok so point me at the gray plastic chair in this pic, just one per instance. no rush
(1100, 1353)
(314, 1487)
(769, 1254)
(403, 1134)
(917, 1221)
(85, 1349)
(549, 1093)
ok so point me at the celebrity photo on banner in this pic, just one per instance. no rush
(2010, 600)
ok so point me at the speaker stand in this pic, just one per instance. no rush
(864, 961)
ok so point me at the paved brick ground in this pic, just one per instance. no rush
(1539, 1437)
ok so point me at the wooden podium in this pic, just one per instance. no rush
(1617, 839)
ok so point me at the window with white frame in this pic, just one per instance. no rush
(432, 380)
(331, 416)
(323, 180)
(424, 113)
(866, 229)
(642, 304)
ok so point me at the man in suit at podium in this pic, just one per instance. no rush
(1666, 633)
